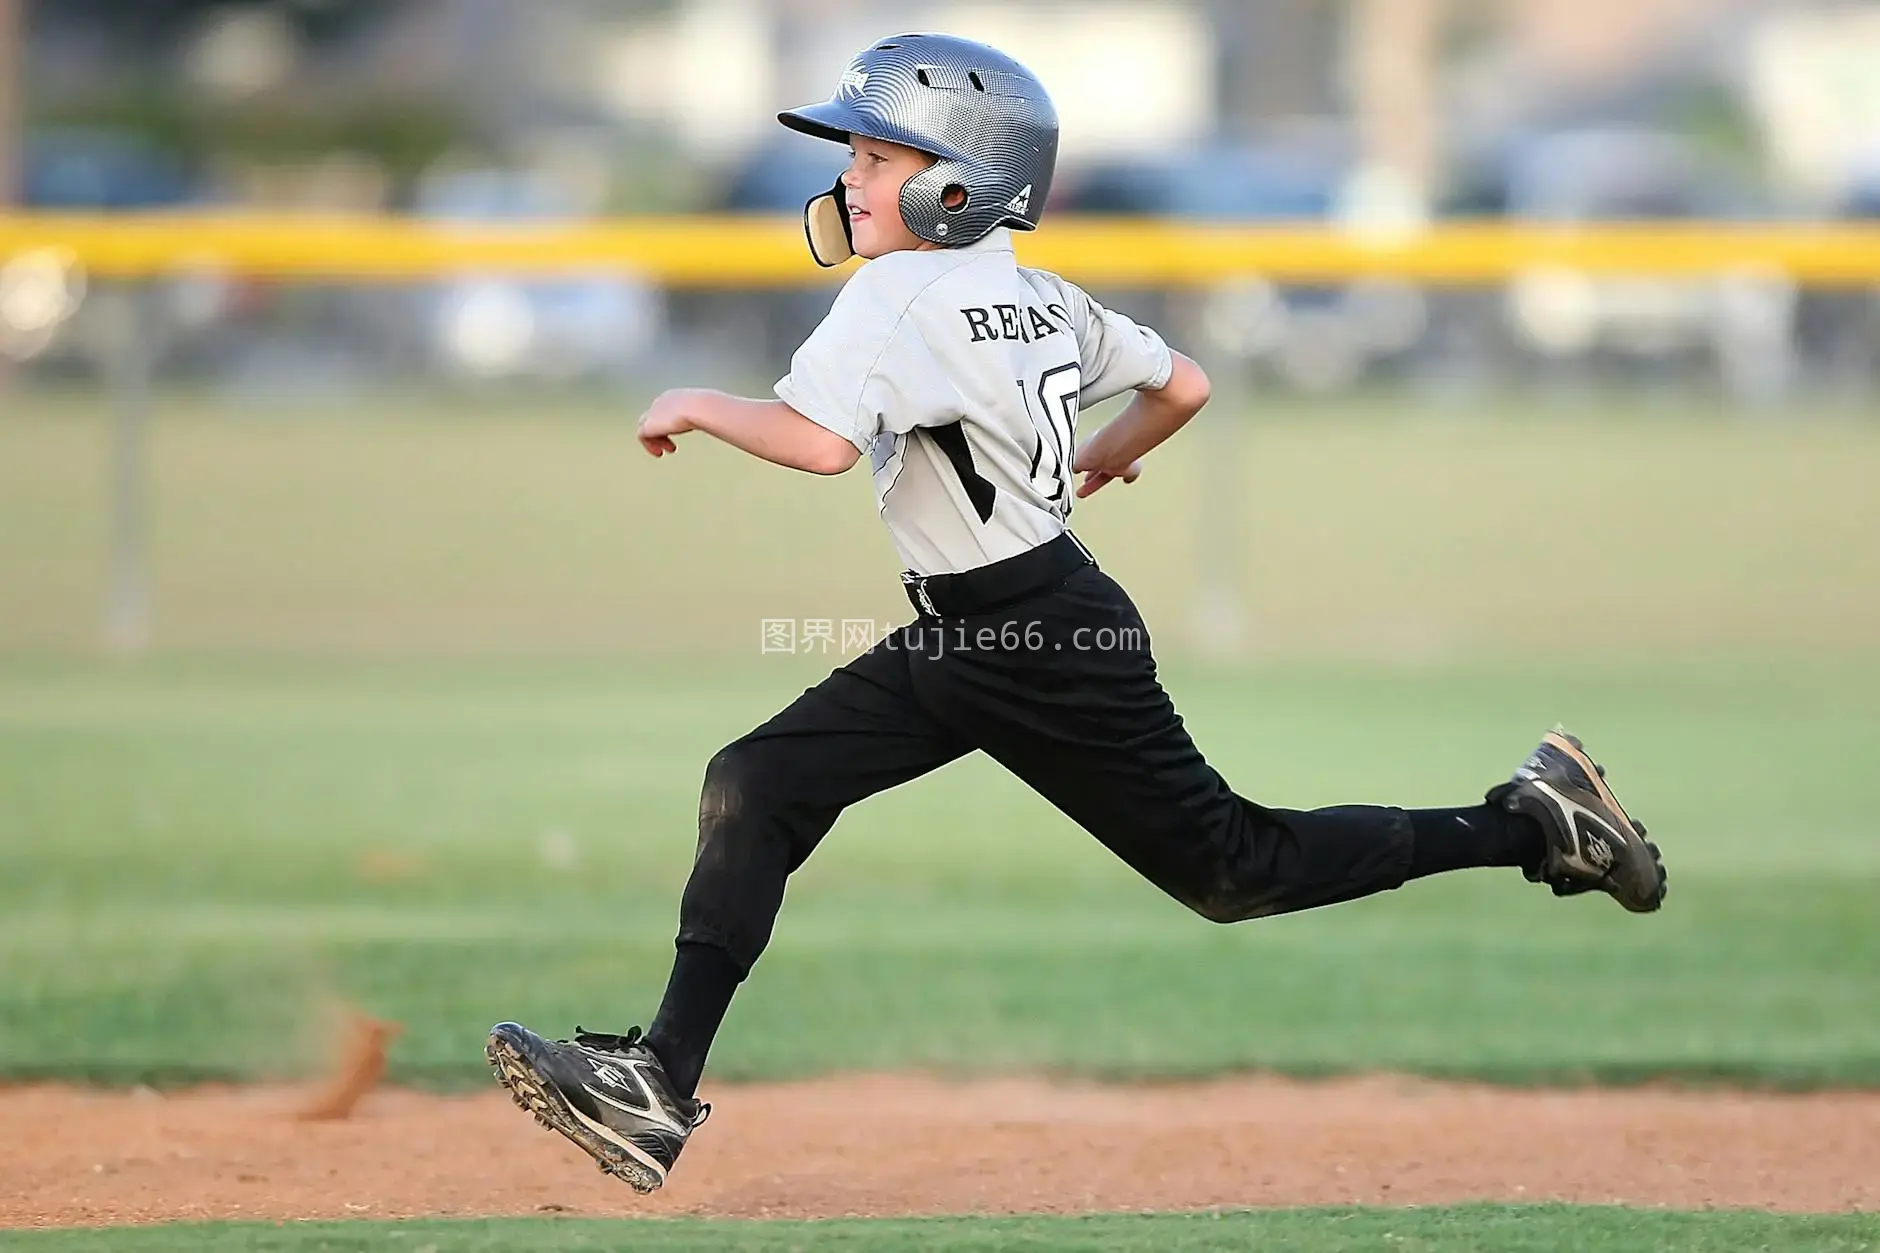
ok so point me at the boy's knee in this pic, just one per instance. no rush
(731, 777)
(752, 808)
(1231, 906)
(1215, 909)
(1219, 909)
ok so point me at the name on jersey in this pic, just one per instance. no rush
(1024, 323)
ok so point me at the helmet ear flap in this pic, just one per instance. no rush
(827, 227)
(924, 207)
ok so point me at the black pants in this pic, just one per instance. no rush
(1058, 685)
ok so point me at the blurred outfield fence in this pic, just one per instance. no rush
(1747, 299)
(745, 252)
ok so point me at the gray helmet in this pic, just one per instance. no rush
(987, 119)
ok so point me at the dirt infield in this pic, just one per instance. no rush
(905, 1146)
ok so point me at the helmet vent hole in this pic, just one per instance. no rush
(921, 75)
(885, 47)
(973, 77)
(953, 198)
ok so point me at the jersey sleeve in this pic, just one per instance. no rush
(866, 370)
(1117, 354)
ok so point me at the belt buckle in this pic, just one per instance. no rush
(918, 582)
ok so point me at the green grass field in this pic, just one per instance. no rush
(1413, 532)
(1464, 1229)
(195, 852)
(430, 700)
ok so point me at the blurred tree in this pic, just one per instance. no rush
(1717, 118)
(134, 87)
(158, 23)
(10, 92)
(403, 136)
(10, 126)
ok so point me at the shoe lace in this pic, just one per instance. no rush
(607, 1043)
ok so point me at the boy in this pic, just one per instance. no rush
(960, 375)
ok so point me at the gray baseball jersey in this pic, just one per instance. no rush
(960, 374)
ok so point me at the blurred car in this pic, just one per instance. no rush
(1313, 337)
(47, 315)
(85, 169)
(1838, 329)
(781, 175)
(776, 179)
(494, 326)
(1739, 321)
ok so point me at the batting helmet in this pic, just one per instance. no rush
(986, 118)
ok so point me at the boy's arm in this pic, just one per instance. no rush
(764, 428)
(1115, 451)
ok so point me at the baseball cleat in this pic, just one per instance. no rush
(607, 1093)
(1592, 845)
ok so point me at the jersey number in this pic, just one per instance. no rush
(1055, 417)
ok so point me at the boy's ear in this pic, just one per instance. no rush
(826, 223)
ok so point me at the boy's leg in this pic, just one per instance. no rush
(1077, 712)
(1082, 718)
(767, 801)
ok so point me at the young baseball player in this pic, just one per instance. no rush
(959, 374)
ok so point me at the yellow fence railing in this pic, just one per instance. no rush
(769, 251)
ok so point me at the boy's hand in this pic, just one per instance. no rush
(1142, 426)
(1095, 479)
(764, 428)
(1087, 462)
(665, 418)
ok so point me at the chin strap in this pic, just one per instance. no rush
(826, 224)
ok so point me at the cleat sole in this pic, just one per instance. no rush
(1596, 774)
(552, 1112)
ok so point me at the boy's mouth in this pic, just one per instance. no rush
(857, 213)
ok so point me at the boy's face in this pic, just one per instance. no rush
(877, 169)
